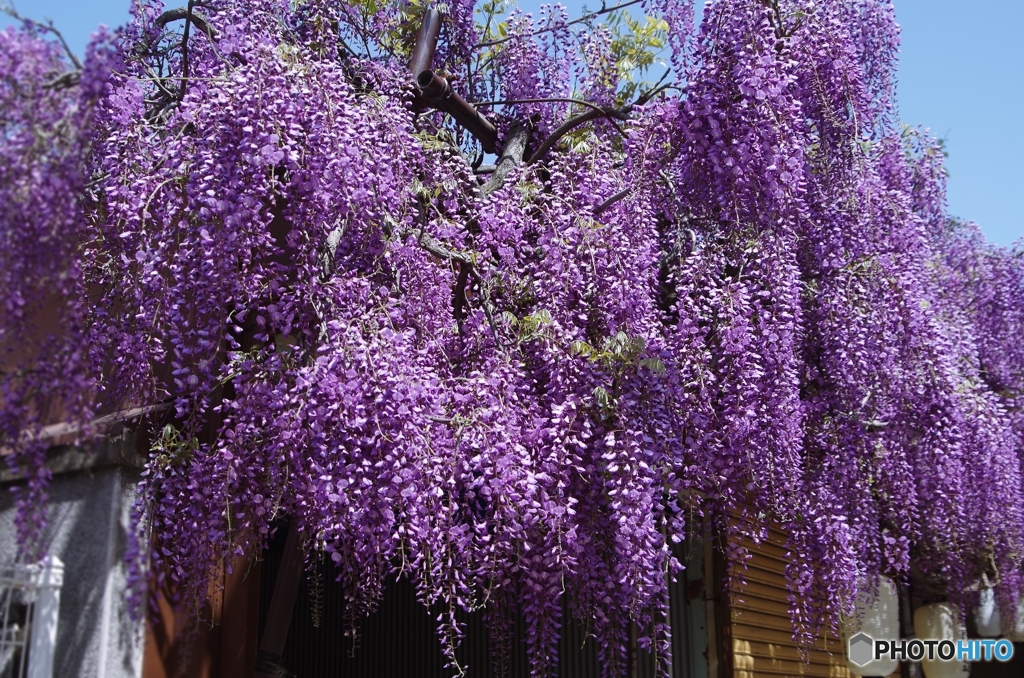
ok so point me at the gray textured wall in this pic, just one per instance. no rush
(88, 522)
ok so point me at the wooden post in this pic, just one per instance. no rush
(282, 603)
(909, 669)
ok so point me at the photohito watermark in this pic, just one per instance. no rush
(863, 649)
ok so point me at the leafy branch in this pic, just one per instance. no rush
(540, 31)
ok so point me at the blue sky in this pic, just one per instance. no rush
(961, 75)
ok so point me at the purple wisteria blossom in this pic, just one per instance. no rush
(739, 300)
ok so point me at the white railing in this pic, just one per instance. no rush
(29, 606)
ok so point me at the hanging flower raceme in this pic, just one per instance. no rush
(47, 98)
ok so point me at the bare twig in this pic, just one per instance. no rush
(67, 79)
(189, 15)
(489, 313)
(159, 80)
(460, 300)
(48, 27)
(437, 418)
(544, 100)
(606, 111)
(182, 86)
(586, 17)
(612, 200)
(655, 89)
(64, 43)
(776, 22)
(563, 129)
(467, 270)
(621, 113)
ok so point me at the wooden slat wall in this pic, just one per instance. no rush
(757, 632)
(400, 639)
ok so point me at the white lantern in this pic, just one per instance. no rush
(878, 617)
(941, 621)
(986, 616)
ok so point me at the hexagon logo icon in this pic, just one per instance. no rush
(860, 649)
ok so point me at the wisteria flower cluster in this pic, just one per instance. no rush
(46, 113)
(738, 299)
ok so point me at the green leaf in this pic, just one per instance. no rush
(654, 366)
(581, 348)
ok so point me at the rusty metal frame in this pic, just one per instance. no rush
(433, 90)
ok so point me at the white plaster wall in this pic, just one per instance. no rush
(88, 523)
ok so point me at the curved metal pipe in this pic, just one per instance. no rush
(426, 43)
(439, 94)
